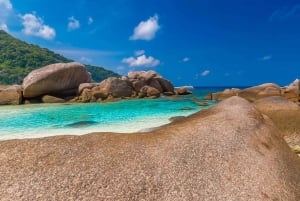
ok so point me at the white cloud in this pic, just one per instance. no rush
(266, 58)
(146, 30)
(85, 59)
(35, 26)
(139, 52)
(141, 61)
(285, 13)
(73, 23)
(3, 26)
(6, 4)
(5, 10)
(185, 59)
(205, 73)
(90, 20)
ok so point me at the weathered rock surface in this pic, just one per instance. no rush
(142, 75)
(260, 91)
(52, 99)
(85, 86)
(182, 91)
(219, 96)
(117, 87)
(138, 84)
(292, 91)
(251, 94)
(286, 116)
(10, 94)
(229, 152)
(166, 85)
(148, 91)
(55, 78)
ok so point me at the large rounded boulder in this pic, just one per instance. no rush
(55, 79)
(117, 87)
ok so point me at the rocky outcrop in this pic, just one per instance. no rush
(52, 99)
(183, 91)
(148, 91)
(55, 78)
(251, 94)
(292, 91)
(229, 152)
(260, 91)
(142, 75)
(138, 84)
(116, 87)
(62, 82)
(285, 114)
(219, 96)
(167, 86)
(10, 94)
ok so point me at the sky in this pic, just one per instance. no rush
(190, 42)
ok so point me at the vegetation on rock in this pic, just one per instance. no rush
(18, 58)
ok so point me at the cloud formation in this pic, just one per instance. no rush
(146, 30)
(284, 13)
(205, 73)
(85, 59)
(90, 20)
(6, 4)
(5, 9)
(266, 58)
(185, 59)
(73, 23)
(141, 61)
(34, 26)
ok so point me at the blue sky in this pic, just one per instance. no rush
(190, 42)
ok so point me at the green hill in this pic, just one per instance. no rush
(18, 58)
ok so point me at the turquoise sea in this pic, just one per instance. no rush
(39, 120)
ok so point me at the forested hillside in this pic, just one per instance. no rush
(18, 58)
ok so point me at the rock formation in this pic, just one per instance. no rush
(285, 115)
(137, 84)
(64, 82)
(55, 78)
(228, 152)
(182, 91)
(10, 95)
(290, 92)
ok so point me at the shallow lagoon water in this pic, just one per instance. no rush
(40, 120)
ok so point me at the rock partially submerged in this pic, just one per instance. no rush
(70, 82)
(137, 84)
(228, 152)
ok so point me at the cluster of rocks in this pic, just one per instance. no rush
(136, 85)
(291, 92)
(63, 82)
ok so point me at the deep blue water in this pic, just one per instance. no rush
(38, 120)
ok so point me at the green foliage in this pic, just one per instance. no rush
(18, 58)
(100, 73)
